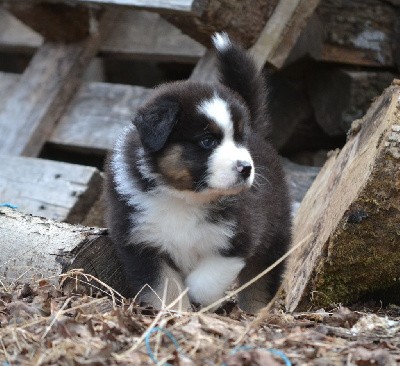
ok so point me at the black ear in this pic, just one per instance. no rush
(155, 121)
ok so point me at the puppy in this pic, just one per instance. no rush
(194, 192)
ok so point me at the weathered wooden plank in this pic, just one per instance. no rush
(281, 31)
(352, 212)
(35, 247)
(144, 35)
(16, 36)
(179, 6)
(8, 82)
(59, 191)
(51, 78)
(96, 116)
(123, 37)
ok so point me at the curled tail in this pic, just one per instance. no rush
(239, 73)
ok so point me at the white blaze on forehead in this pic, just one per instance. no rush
(217, 110)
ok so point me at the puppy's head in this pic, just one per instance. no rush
(194, 138)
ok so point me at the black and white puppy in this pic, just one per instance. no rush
(194, 192)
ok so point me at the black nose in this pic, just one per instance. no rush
(244, 168)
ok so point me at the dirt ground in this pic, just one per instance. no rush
(39, 325)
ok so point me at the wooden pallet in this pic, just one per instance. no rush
(49, 103)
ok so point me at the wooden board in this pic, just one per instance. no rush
(352, 214)
(32, 109)
(59, 191)
(281, 32)
(8, 83)
(16, 36)
(146, 36)
(127, 33)
(96, 116)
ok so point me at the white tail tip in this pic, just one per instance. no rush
(221, 41)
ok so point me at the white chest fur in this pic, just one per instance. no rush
(179, 228)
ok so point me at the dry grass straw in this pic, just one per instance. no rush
(162, 318)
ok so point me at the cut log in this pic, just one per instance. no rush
(34, 247)
(360, 32)
(32, 109)
(60, 191)
(339, 95)
(352, 212)
(57, 22)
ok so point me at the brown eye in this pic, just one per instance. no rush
(209, 142)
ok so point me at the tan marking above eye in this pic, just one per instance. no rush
(174, 169)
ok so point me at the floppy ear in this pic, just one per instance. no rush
(155, 121)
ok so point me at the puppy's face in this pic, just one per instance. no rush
(194, 138)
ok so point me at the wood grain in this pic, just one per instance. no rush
(281, 32)
(127, 34)
(56, 190)
(37, 247)
(353, 214)
(31, 110)
(96, 116)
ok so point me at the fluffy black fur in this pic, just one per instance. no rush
(164, 151)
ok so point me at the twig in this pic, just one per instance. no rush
(256, 278)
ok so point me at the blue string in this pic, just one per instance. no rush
(275, 352)
(148, 346)
(9, 205)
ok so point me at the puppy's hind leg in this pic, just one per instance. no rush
(258, 294)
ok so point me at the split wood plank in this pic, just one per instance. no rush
(30, 112)
(170, 6)
(281, 32)
(352, 212)
(126, 33)
(56, 190)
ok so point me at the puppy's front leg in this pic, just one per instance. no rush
(212, 277)
(168, 288)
